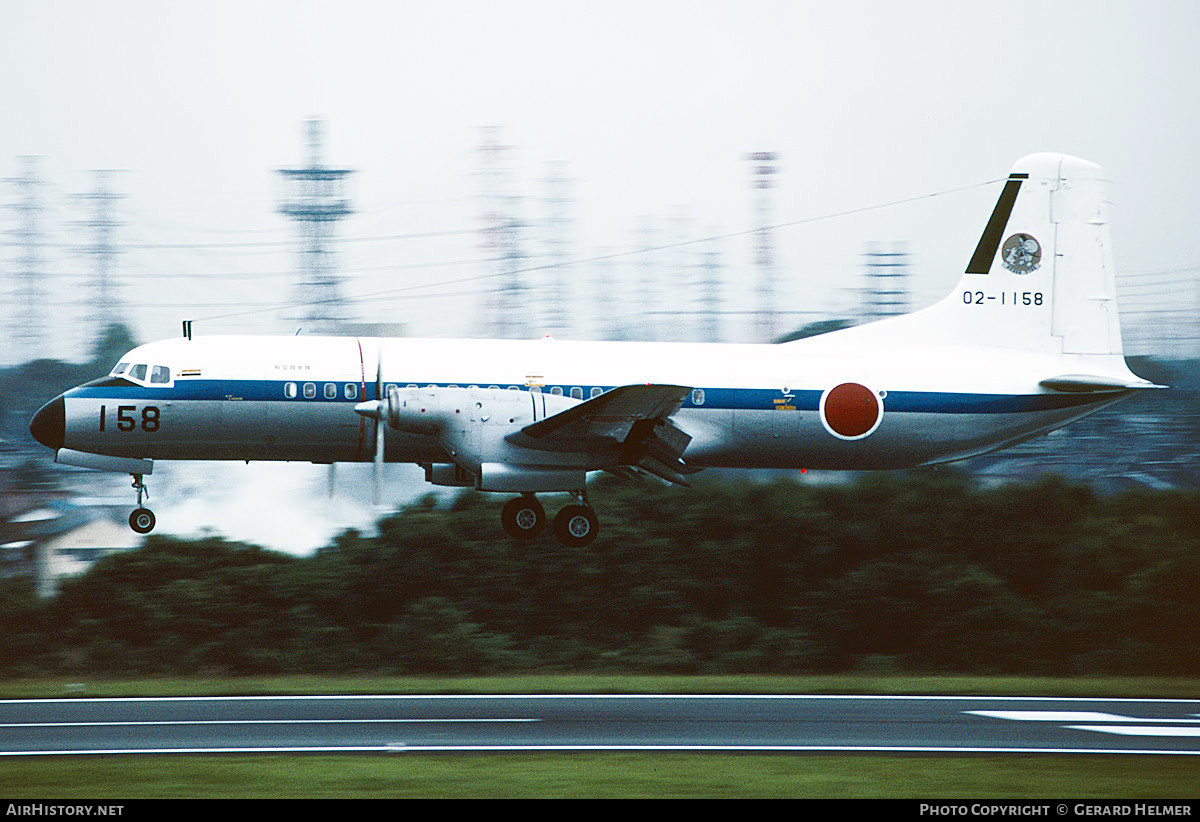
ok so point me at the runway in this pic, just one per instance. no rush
(866, 724)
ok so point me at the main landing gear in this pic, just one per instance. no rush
(575, 525)
(141, 520)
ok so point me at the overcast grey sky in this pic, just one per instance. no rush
(652, 105)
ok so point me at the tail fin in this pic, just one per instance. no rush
(1041, 278)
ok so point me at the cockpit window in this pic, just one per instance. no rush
(121, 368)
(160, 375)
(138, 372)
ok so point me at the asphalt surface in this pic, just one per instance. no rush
(799, 724)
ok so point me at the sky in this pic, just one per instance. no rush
(650, 107)
(891, 121)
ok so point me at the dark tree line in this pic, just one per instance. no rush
(921, 572)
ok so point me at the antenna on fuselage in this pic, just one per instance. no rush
(187, 329)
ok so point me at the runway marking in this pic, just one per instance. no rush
(1140, 730)
(1187, 727)
(1072, 716)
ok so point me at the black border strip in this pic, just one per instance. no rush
(981, 261)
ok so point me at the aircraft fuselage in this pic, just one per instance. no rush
(751, 406)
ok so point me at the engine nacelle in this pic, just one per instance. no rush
(472, 424)
(500, 476)
(437, 411)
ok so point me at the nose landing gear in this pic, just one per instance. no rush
(141, 520)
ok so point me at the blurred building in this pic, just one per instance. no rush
(48, 537)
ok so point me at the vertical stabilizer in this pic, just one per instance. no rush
(1041, 278)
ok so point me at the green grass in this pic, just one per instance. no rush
(599, 776)
(602, 775)
(1162, 687)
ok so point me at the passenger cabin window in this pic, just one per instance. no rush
(698, 396)
(577, 393)
(330, 391)
(556, 390)
(351, 391)
(289, 390)
(310, 390)
(596, 391)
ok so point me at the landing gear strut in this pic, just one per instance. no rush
(141, 520)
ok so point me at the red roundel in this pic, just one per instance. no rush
(851, 411)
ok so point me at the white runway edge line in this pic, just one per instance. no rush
(258, 722)
(465, 697)
(400, 748)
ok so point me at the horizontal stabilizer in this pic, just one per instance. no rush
(1086, 384)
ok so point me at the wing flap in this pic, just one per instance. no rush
(630, 425)
(610, 415)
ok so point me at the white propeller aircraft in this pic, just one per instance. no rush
(1029, 341)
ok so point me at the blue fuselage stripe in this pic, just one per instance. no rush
(765, 399)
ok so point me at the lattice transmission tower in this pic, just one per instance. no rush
(506, 311)
(887, 290)
(316, 199)
(763, 171)
(27, 269)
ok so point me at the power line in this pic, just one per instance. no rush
(291, 243)
(646, 249)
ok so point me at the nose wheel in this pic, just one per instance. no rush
(141, 520)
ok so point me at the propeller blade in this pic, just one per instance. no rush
(380, 429)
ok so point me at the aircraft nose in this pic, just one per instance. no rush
(49, 423)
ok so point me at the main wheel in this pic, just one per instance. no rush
(142, 520)
(523, 517)
(576, 526)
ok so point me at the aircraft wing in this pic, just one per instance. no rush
(631, 424)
